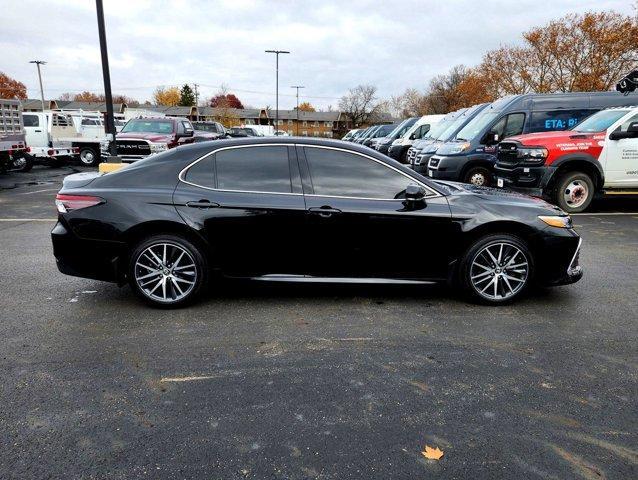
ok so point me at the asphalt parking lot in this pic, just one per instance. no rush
(296, 382)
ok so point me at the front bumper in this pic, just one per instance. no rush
(444, 168)
(557, 257)
(397, 151)
(530, 180)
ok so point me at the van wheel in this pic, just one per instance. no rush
(574, 192)
(496, 269)
(167, 271)
(89, 157)
(479, 176)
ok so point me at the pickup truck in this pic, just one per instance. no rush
(13, 145)
(48, 136)
(600, 155)
(145, 136)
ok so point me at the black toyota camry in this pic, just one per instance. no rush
(293, 209)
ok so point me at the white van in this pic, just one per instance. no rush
(399, 148)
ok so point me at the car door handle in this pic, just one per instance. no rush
(202, 204)
(324, 211)
(38, 131)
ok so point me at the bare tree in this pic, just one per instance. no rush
(360, 104)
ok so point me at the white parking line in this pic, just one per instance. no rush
(605, 214)
(28, 219)
(187, 379)
(40, 191)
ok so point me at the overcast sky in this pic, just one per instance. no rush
(334, 45)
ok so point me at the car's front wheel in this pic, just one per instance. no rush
(167, 271)
(497, 269)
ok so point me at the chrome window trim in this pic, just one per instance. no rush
(432, 193)
(181, 174)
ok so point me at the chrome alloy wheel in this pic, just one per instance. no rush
(499, 271)
(576, 193)
(165, 272)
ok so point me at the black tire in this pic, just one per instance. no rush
(24, 163)
(479, 176)
(89, 156)
(574, 192)
(503, 275)
(165, 271)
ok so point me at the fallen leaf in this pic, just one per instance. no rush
(432, 453)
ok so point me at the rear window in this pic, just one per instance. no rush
(254, 169)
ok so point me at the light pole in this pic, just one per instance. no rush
(297, 87)
(276, 52)
(108, 97)
(38, 63)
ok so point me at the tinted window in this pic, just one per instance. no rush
(515, 122)
(31, 120)
(257, 169)
(338, 173)
(202, 173)
(557, 119)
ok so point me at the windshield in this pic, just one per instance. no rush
(371, 132)
(599, 122)
(148, 126)
(476, 125)
(402, 127)
(206, 127)
(383, 130)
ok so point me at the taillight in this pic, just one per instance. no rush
(66, 203)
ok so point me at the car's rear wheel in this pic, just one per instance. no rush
(497, 269)
(167, 271)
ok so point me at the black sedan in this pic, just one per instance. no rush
(292, 209)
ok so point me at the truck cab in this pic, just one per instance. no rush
(470, 156)
(145, 136)
(600, 155)
(48, 136)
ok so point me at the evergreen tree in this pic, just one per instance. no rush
(187, 96)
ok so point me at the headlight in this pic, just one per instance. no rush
(158, 147)
(534, 156)
(461, 147)
(557, 221)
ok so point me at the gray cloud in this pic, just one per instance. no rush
(335, 44)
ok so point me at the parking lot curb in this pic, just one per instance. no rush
(110, 167)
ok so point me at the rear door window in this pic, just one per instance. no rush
(254, 169)
(557, 119)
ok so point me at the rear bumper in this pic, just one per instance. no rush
(95, 259)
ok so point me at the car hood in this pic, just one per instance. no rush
(151, 137)
(542, 138)
(486, 197)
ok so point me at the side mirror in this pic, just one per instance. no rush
(189, 132)
(414, 193)
(632, 132)
(491, 138)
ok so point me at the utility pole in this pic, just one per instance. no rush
(297, 87)
(277, 52)
(38, 63)
(196, 100)
(108, 97)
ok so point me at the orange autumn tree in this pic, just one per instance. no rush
(12, 89)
